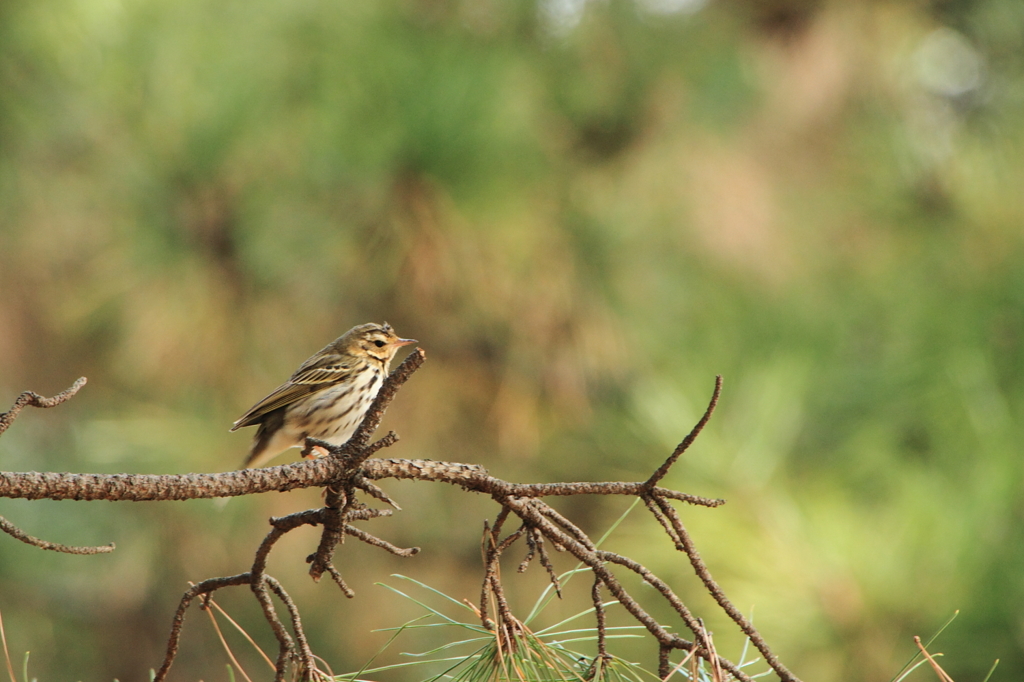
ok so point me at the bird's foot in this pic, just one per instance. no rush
(315, 452)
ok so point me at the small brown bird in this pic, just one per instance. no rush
(327, 396)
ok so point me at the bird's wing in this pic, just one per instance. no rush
(329, 368)
(316, 374)
(285, 394)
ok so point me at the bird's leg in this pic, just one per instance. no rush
(315, 452)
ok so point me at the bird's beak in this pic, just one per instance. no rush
(403, 342)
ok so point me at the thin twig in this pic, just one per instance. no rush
(17, 533)
(285, 643)
(599, 615)
(303, 653)
(374, 490)
(33, 399)
(377, 542)
(531, 551)
(205, 587)
(389, 439)
(565, 523)
(718, 594)
(546, 562)
(258, 582)
(535, 543)
(657, 583)
(665, 524)
(259, 564)
(340, 581)
(690, 437)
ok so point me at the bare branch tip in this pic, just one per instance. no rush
(35, 400)
(690, 437)
(18, 534)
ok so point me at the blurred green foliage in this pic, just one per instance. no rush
(584, 211)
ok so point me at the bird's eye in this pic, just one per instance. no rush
(379, 343)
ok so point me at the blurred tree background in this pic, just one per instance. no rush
(584, 210)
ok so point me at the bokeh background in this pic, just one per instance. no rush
(584, 210)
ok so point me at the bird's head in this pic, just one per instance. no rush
(377, 341)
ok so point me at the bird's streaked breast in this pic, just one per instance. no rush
(334, 413)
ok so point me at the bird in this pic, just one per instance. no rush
(327, 396)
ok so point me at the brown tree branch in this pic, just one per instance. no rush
(348, 469)
(32, 485)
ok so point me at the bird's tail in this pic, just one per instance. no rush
(261, 451)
